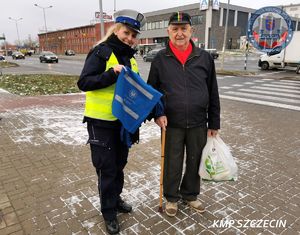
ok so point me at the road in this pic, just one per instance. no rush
(73, 65)
(264, 91)
(32, 65)
(267, 88)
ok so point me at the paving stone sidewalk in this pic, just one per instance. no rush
(48, 184)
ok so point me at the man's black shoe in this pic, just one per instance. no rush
(123, 207)
(112, 226)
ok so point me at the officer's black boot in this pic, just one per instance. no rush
(123, 207)
(112, 226)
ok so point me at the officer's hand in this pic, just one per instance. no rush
(212, 133)
(162, 122)
(118, 68)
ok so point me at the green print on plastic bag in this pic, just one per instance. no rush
(209, 166)
(213, 168)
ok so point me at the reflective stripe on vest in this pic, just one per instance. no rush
(98, 103)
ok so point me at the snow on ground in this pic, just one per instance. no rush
(57, 125)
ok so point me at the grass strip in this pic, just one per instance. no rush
(39, 84)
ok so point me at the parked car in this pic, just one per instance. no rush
(150, 55)
(213, 53)
(48, 56)
(69, 52)
(17, 55)
(2, 58)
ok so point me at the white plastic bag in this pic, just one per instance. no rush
(217, 163)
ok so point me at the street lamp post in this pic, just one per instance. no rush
(101, 19)
(225, 35)
(16, 21)
(46, 42)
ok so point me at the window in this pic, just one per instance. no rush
(230, 17)
(293, 8)
(157, 25)
(153, 25)
(242, 22)
(161, 24)
(197, 20)
(166, 23)
(293, 25)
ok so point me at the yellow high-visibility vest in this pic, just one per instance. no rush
(98, 103)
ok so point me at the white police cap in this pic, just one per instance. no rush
(130, 18)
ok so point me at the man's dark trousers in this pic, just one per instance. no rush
(179, 140)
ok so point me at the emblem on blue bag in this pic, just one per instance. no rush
(132, 94)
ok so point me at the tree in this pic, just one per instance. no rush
(30, 43)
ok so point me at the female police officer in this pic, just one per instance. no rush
(98, 78)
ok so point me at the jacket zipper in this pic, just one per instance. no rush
(186, 98)
(183, 68)
(186, 94)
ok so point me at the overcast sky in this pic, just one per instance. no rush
(72, 13)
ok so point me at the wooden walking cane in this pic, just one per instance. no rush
(162, 160)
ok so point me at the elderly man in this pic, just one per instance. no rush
(186, 76)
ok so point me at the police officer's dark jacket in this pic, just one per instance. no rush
(190, 91)
(94, 76)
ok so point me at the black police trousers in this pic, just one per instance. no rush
(109, 157)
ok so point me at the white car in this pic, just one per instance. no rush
(48, 56)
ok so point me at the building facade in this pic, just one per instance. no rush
(208, 24)
(80, 39)
(292, 10)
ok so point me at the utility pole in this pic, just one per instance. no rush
(101, 19)
(115, 7)
(225, 36)
(16, 21)
(5, 46)
(246, 54)
(46, 42)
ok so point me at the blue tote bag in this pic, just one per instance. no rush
(133, 99)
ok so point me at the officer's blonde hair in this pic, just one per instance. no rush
(110, 31)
